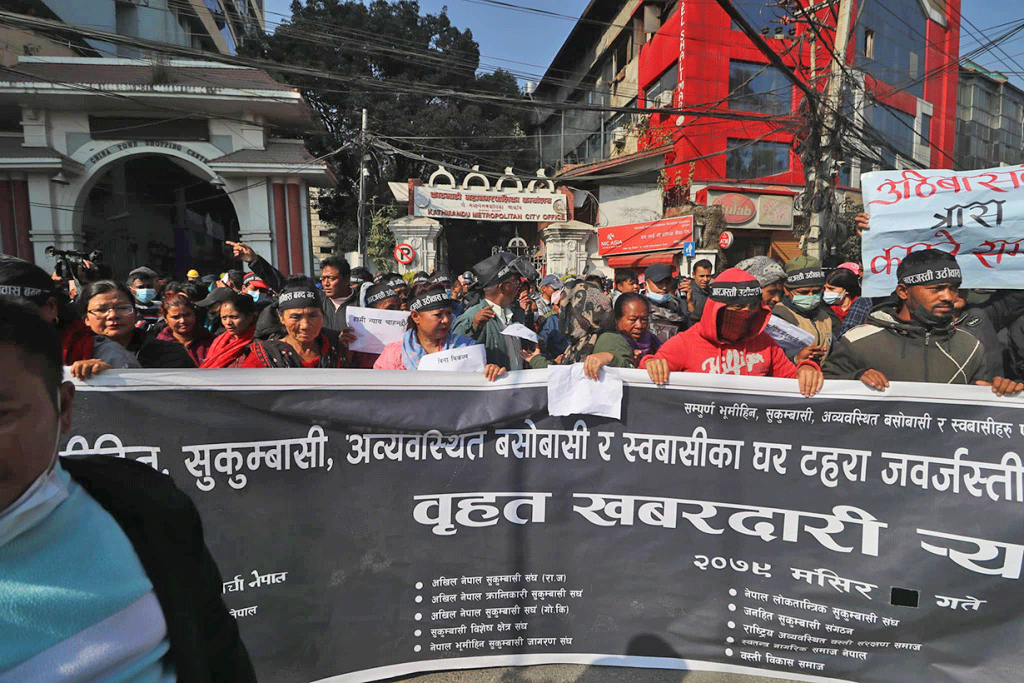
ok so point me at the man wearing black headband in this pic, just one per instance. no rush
(730, 339)
(803, 307)
(915, 340)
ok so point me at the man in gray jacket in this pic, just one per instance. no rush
(915, 340)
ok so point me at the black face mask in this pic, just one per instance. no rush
(922, 315)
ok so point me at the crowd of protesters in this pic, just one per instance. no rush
(927, 330)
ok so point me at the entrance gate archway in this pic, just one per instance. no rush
(159, 211)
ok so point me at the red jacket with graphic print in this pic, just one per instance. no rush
(699, 349)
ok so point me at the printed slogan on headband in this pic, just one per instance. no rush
(978, 216)
(746, 530)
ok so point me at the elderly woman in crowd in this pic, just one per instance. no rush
(430, 322)
(306, 344)
(182, 326)
(631, 339)
(230, 349)
(108, 308)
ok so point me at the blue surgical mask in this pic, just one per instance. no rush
(806, 302)
(145, 294)
(448, 293)
(255, 295)
(658, 298)
(831, 298)
(40, 499)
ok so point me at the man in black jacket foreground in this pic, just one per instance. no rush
(916, 340)
(103, 567)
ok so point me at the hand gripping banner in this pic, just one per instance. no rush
(377, 524)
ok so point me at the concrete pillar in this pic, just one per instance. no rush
(565, 247)
(295, 229)
(22, 218)
(281, 228)
(421, 233)
(254, 228)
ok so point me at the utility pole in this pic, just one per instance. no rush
(821, 182)
(361, 218)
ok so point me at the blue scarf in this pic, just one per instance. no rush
(413, 351)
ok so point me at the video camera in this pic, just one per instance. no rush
(71, 264)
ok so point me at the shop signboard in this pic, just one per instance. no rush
(668, 233)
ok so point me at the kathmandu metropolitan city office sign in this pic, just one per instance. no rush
(538, 203)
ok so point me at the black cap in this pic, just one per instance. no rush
(493, 270)
(658, 272)
(217, 296)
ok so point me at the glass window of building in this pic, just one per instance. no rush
(894, 133)
(760, 88)
(745, 160)
(666, 82)
(898, 38)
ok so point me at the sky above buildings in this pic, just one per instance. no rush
(525, 42)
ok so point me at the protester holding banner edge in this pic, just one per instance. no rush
(731, 339)
(150, 576)
(904, 341)
(429, 331)
(631, 340)
(306, 343)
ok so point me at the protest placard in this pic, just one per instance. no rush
(978, 216)
(375, 328)
(462, 359)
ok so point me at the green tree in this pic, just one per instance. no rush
(395, 63)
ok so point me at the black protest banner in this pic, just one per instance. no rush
(376, 524)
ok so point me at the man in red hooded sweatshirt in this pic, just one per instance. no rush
(730, 339)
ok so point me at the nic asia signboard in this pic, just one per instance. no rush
(669, 233)
(478, 204)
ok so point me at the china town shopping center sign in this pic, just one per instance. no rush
(507, 201)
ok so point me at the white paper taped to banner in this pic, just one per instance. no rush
(787, 335)
(462, 359)
(571, 392)
(978, 216)
(375, 328)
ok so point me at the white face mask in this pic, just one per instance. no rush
(40, 499)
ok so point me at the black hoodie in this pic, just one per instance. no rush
(907, 352)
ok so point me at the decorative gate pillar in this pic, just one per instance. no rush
(566, 248)
(421, 233)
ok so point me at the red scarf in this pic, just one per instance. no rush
(76, 341)
(840, 313)
(227, 348)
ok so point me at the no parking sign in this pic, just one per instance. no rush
(405, 254)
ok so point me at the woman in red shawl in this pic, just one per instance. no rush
(230, 349)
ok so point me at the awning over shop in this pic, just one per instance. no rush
(643, 260)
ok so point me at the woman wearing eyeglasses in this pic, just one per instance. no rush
(109, 311)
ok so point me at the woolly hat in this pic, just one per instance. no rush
(766, 270)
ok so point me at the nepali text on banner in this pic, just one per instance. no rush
(978, 216)
(375, 524)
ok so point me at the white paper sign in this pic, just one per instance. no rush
(462, 359)
(978, 216)
(788, 336)
(375, 329)
(521, 331)
(570, 392)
